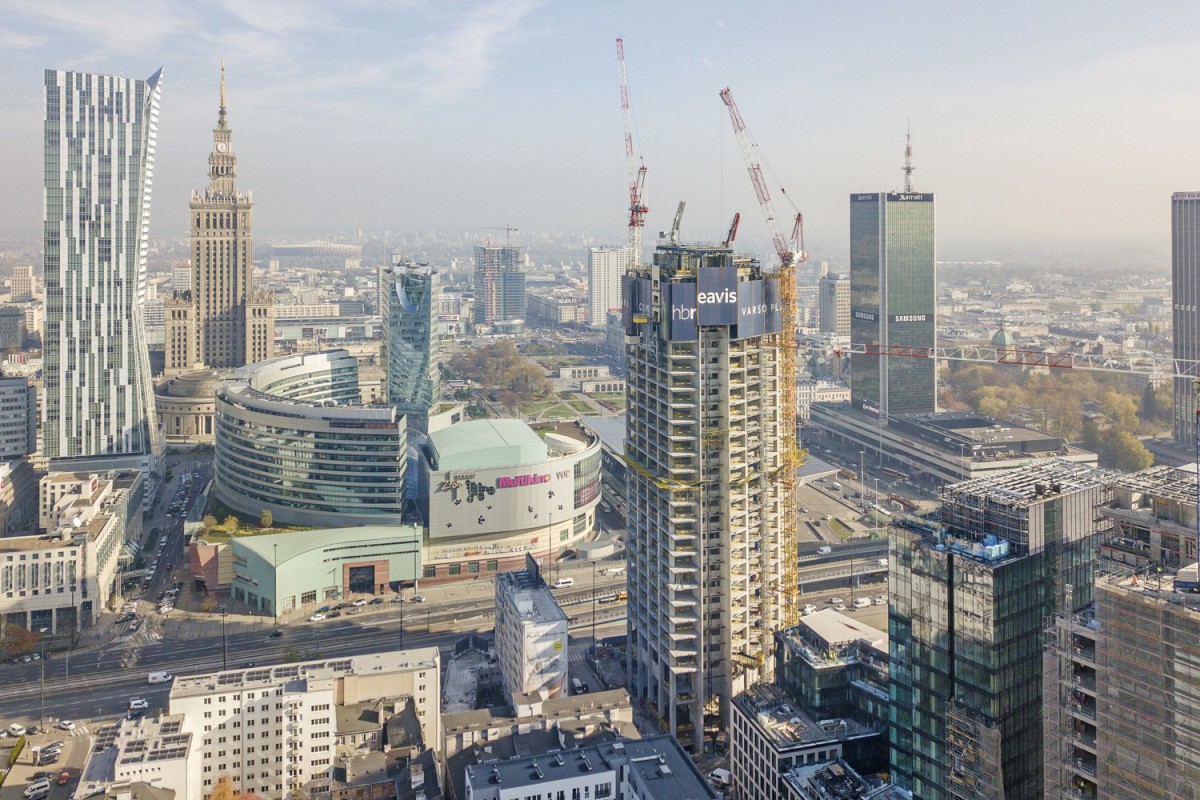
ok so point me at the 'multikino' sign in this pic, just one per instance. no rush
(521, 480)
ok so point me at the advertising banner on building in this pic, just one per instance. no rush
(758, 308)
(680, 298)
(717, 295)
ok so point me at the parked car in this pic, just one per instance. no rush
(376, 601)
(16, 729)
(64, 779)
(418, 598)
(138, 704)
(359, 603)
(316, 617)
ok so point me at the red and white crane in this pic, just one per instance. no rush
(636, 167)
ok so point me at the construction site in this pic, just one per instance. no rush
(1122, 692)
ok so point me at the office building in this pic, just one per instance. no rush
(1153, 516)
(655, 768)
(499, 284)
(411, 352)
(1185, 319)
(290, 437)
(968, 611)
(703, 441)
(833, 304)
(606, 266)
(893, 301)
(12, 328)
(181, 277)
(531, 634)
(221, 321)
(24, 285)
(1122, 685)
(100, 138)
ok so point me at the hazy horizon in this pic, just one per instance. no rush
(1058, 126)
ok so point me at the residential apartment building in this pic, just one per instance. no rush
(967, 616)
(702, 441)
(411, 351)
(18, 418)
(100, 140)
(531, 634)
(276, 730)
(605, 267)
(24, 285)
(893, 301)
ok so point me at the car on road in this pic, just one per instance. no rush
(138, 704)
(64, 779)
(810, 609)
(376, 601)
(880, 600)
(275, 634)
(38, 789)
(67, 725)
(835, 600)
(316, 617)
(42, 773)
(27, 658)
(333, 614)
(16, 729)
(359, 603)
(398, 598)
(839, 606)
(418, 598)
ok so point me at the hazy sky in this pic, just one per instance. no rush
(1059, 123)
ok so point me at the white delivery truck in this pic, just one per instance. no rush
(158, 677)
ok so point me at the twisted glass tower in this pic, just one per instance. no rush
(100, 134)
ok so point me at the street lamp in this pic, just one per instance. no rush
(224, 641)
(593, 609)
(42, 658)
(862, 454)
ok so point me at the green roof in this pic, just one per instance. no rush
(297, 543)
(486, 444)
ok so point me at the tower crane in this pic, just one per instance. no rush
(636, 168)
(791, 253)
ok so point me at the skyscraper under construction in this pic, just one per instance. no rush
(704, 447)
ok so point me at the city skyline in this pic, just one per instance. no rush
(1018, 120)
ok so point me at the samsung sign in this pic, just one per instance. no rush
(910, 318)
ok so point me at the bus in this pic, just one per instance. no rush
(895, 474)
(847, 475)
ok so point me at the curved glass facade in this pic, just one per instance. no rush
(289, 441)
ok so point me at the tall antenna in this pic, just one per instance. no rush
(908, 167)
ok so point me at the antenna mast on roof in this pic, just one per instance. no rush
(908, 166)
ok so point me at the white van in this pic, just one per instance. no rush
(576, 686)
(861, 602)
(720, 777)
(562, 583)
(158, 677)
(837, 487)
(824, 550)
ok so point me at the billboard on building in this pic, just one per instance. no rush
(758, 308)
(717, 295)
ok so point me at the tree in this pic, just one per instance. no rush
(230, 524)
(208, 604)
(18, 640)
(265, 518)
(1149, 403)
(1120, 410)
(224, 790)
(1125, 452)
(209, 522)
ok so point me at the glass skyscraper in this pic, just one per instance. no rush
(411, 352)
(1185, 291)
(100, 134)
(499, 284)
(892, 301)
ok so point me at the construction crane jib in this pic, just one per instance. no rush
(637, 171)
(785, 592)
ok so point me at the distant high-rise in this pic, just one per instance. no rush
(892, 301)
(22, 284)
(222, 322)
(1185, 291)
(499, 284)
(968, 610)
(408, 295)
(100, 138)
(703, 440)
(833, 303)
(606, 265)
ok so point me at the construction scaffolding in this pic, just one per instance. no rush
(974, 748)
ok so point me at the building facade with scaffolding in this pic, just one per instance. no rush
(703, 444)
(1154, 518)
(969, 602)
(1122, 692)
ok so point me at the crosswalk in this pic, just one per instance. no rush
(149, 637)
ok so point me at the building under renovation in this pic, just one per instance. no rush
(1122, 693)
(969, 604)
(1154, 518)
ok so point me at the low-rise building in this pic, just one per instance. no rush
(531, 634)
(145, 751)
(656, 768)
(62, 580)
